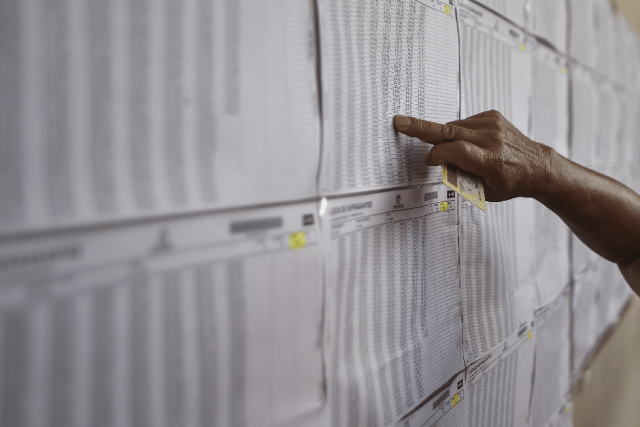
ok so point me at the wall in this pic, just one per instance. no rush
(207, 218)
(603, 395)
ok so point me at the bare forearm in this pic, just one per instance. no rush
(602, 212)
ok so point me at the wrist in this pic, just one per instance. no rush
(546, 175)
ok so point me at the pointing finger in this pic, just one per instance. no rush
(432, 133)
(475, 124)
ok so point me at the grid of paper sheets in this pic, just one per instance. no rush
(208, 219)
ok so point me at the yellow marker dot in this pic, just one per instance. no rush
(523, 48)
(563, 71)
(568, 409)
(455, 399)
(297, 240)
(444, 206)
(529, 335)
(447, 9)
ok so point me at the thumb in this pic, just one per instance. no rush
(462, 154)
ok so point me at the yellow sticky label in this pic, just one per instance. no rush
(563, 71)
(455, 399)
(444, 206)
(297, 240)
(529, 335)
(447, 9)
(523, 48)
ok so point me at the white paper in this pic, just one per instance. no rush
(600, 295)
(515, 10)
(628, 146)
(549, 98)
(499, 384)
(628, 55)
(552, 239)
(392, 315)
(541, 250)
(608, 131)
(380, 59)
(115, 110)
(614, 294)
(551, 379)
(445, 408)
(584, 38)
(634, 180)
(605, 36)
(495, 66)
(487, 276)
(496, 73)
(584, 319)
(584, 115)
(209, 320)
(563, 417)
(549, 19)
(525, 222)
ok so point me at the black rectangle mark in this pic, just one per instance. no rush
(256, 224)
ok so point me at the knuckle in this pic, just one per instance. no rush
(448, 132)
(495, 123)
(496, 114)
(465, 149)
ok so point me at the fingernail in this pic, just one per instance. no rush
(402, 123)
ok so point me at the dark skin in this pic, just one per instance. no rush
(602, 212)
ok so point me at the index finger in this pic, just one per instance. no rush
(432, 133)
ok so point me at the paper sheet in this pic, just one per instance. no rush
(393, 327)
(600, 295)
(552, 237)
(584, 115)
(634, 180)
(584, 319)
(115, 110)
(605, 35)
(496, 73)
(495, 66)
(630, 111)
(563, 417)
(209, 320)
(549, 20)
(584, 39)
(629, 56)
(549, 98)
(614, 293)
(541, 250)
(608, 131)
(514, 10)
(379, 59)
(445, 408)
(499, 384)
(524, 212)
(551, 379)
(487, 276)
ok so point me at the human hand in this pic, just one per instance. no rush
(487, 145)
